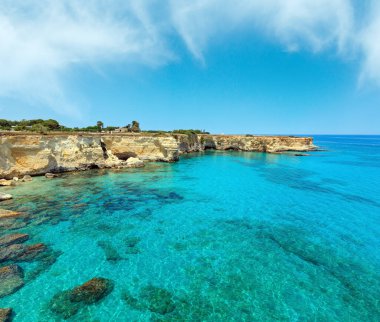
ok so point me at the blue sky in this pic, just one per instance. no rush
(276, 67)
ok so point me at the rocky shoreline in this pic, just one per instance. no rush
(36, 154)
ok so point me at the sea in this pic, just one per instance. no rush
(217, 236)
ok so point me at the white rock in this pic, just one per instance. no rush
(134, 162)
(15, 178)
(5, 196)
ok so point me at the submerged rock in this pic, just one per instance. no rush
(61, 305)
(67, 303)
(19, 252)
(92, 291)
(11, 279)
(131, 243)
(13, 239)
(110, 252)
(5, 315)
(152, 298)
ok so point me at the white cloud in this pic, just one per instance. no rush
(369, 40)
(42, 41)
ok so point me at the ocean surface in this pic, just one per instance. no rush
(218, 236)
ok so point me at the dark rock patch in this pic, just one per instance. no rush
(68, 303)
(11, 279)
(6, 315)
(110, 251)
(152, 298)
(131, 243)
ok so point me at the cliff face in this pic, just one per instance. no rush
(34, 154)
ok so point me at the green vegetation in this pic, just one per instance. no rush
(50, 125)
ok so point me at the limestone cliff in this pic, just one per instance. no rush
(35, 154)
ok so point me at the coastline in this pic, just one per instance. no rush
(37, 154)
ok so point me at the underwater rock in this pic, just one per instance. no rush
(5, 315)
(157, 299)
(50, 175)
(19, 252)
(110, 252)
(92, 291)
(13, 239)
(131, 243)
(68, 303)
(8, 213)
(26, 178)
(5, 196)
(11, 279)
(61, 305)
(174, 195)
(301, 154)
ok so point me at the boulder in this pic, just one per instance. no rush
(50, 175)
(11, 279)
(26, 178)
(92, 291)
(134, 163)
(5, 315)
(13, 239)
(5, 196)
(4, 182)
(15, 179)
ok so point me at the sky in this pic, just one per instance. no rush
(231, 66)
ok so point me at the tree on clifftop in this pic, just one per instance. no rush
(99, 125)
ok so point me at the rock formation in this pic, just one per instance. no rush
(36, 154)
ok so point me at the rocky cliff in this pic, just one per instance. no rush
(35, 154)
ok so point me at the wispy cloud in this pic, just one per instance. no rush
(42, 41)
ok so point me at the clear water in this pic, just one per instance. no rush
(229, 236)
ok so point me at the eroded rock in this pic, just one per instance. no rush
(11, 279)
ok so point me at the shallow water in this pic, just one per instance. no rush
(218, 236)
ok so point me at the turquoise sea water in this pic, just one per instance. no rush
(218, 236)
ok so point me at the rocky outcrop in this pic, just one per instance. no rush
(11, 279)
(5, 315)
(37, 154)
